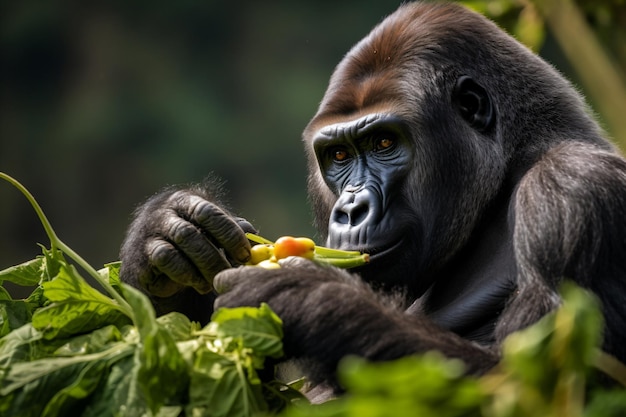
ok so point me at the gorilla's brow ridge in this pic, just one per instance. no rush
(351, 128)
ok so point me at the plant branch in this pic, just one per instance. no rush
(58, 244)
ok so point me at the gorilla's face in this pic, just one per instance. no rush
(364, 162)
(403, 153)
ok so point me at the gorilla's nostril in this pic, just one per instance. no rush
(358, 214)
(351, 214)
(341, 217)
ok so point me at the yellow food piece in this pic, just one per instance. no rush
(268, 264)
(260, 253)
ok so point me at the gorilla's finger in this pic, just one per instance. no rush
(297, 262)
(159, 285)
(245, 225)
(202, 253)
(224, 229)
(227, 279)
(217, 224)
(169, 261)
(232, 277)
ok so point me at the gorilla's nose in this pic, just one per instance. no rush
(353, 208)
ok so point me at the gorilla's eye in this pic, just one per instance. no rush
(384, 143)
(339, 154)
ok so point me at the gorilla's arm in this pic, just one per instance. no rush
(178, 241)
(336, 314)
(570, 212)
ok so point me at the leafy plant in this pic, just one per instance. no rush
(68, 349)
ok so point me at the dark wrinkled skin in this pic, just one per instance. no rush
(466, 166)
(176, 245)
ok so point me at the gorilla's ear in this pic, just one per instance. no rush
(473, 103)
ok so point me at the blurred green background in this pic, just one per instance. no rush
(103, 104)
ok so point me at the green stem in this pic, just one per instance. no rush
(258, 239)
(42, 217)
(325, 252)
(611, 366)
(351, 262)
(125, 307)
(58, 244)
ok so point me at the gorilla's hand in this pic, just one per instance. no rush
(327, 313)
(179, 239)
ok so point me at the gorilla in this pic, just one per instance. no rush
(468, 168)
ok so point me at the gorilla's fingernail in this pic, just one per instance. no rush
(203, 288)
(243, 254)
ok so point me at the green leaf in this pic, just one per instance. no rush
(111, 273)
(564, 341)
(220, 388)
(54, 259)
(279, 395)
(37, 299)
(25, 274)
(93, 342)
(178, 326)
(426, 385)
(224, 381)
(76, 308)
(259, 329)
(119, 394)
(22, 344)
(50, 385)
(544, 368)
(610, 403)
(4, 294)
(578, 329)
(85, 383)
(159, 358)
(13, 314)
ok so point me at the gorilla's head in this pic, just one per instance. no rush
(427, 123)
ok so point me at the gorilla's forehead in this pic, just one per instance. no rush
(403, 59)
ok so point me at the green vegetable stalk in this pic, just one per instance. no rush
(58, 244)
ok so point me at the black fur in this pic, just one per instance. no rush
(469, 168)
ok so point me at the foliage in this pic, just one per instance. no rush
(73, 351)
(69, 349)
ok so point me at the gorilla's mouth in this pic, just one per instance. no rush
(377, 248)
(382, 252)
